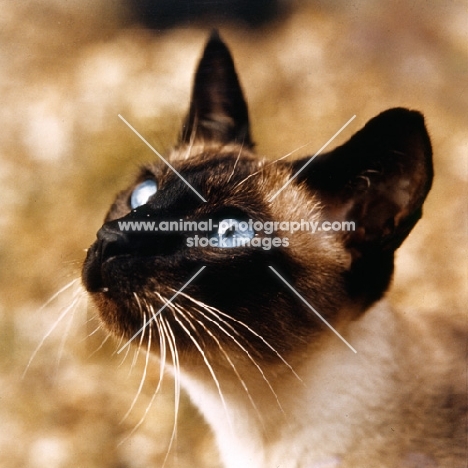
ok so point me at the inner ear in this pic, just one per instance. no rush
(379, 179)
(218, 111)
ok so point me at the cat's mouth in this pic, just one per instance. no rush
(96, 273)
(92, 276)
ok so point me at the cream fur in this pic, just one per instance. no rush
(370, 409)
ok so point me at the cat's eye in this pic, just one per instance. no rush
(142, 193)
(232, 233)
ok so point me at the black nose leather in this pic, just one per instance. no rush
(113, 242)
(110, 242)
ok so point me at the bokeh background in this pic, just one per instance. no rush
(68, 68)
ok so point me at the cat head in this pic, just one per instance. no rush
(214, 275)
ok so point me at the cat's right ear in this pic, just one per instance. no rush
(379, 179)
(218, 111)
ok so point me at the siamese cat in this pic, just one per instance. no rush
(287, 348)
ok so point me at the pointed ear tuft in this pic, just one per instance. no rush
(218, 111)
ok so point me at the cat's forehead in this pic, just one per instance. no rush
(228, 173)
(215, 167)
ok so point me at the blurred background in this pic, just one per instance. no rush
(68, 68)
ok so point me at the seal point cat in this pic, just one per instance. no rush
(254, 332)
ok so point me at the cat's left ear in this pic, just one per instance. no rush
(218, 111)
(379, 179)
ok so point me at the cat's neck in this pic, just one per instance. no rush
(314, 421)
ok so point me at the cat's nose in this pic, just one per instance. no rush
(112, 241)
(132, 236)
(124, 240)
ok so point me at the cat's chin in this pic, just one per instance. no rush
(111, 314)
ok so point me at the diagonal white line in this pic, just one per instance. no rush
(161, 309)
(161, 157)
(312, 309)
(312, 158)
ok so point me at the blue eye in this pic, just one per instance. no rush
(142, 193)
(233, 233)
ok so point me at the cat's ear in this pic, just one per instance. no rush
(379, 179)
(218, 111)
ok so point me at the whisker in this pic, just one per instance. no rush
(63, 339)
(270, 163)
(104, 341)
(142, 329)
(289, 154)
(250, 357)
(217, 313)
(208, 365)
(127, 352)
(77, 296)
(213, 310)
(162, 351)
(137, 350)
(166, 304)
(226, 356)
(120, 339)
(191, 142)
(90, 334)
(147, 357)
(262, 168)
(143, 377)
(166, 338)
(235, 164)
(93, 332)
(175, 361)
(265, 342)
(182, 311)
(60, 291)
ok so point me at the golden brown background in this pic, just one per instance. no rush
(68, 68)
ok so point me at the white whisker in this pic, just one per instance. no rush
(235, 164)
(106, 338)
(208, 365)
(64, 337)
(77, 296)
(218, 313)
(214, 312)
(191, 142)
(142, 329)
(260, 337)
(247, 353)
(162, 351)
(60, 291)
(175, 360)
(143, 377)
(166, 304)
(127, 352)
(142, 381)
(270, 163)
(289, 154)
(90, 334)
(251, 175)
(228, 359)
